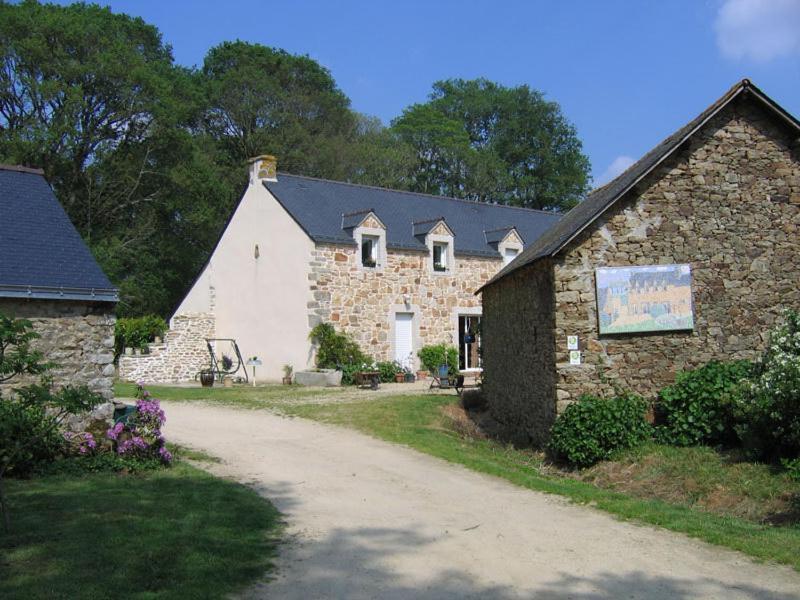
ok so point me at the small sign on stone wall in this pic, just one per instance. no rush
(574, 357)
(572, 342)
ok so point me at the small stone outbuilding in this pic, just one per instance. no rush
(49, 276)
(719, 200)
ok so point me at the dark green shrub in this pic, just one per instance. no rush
(137, 332)
(30, 424)
(439, 354)
(699, 407)
(387, 369)
(100, 462)
(336, 350)
(592, 429)
(768, 409)
(28, 437)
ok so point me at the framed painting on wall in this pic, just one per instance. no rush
(644, 299)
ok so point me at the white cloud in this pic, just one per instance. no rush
(758, 30)
(617, 166)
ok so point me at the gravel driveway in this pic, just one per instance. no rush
(368, 519)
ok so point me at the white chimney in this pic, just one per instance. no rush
(263, 168)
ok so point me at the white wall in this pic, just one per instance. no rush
(261, 302)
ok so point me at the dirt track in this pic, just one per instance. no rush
(368, 519)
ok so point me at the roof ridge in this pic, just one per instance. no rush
(435, 196)
(21, 169)
(433, 220)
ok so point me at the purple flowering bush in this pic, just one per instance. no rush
(140, 437)
(80, 443)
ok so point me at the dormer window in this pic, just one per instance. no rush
(440, 252)
(369, 234)
(369, 251)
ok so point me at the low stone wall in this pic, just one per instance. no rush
(79, 338)
(179, 358)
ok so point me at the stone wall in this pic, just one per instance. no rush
(79, 338)
(519, 354)
(179, 358)
(729, 205)
(362, 301)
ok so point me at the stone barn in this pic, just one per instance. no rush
(689, 255)
(49, 276)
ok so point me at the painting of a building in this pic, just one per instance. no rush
(650, 298)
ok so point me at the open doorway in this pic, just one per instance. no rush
(469, 342)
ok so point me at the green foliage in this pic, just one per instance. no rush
(699, 407)
(480, 140)
(137, 332)
(388, 369)
(792, 467)
(100, 462)
(16, 355)
(768, 410)
(434, 355)
(28, 437)
(336, 350)
(593, 429)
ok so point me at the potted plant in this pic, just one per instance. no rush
(227, 381)
(207, 378)
(227, 362)
(287, 374)
(408, 375)
(422, 374)
(400, 377)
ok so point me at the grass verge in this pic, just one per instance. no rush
(263, 396)
(171, 533)
(417, 421)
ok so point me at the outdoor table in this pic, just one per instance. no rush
(370, 379)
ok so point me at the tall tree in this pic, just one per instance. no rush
(94, 98)
(483, 141)
(264, 99)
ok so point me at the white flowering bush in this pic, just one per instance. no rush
(768, 409)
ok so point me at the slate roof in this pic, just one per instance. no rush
(318, 206)
(601, 199)
(41, 253)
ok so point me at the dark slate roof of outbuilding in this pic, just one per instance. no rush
(318, 205)
(41, 253)
(601, 199)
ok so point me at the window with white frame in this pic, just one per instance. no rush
(440, 251)
(369, 250)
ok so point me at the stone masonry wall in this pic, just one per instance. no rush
(519, 379)
(79, 338)
(179, 358)
(729, 205)
(360, 301)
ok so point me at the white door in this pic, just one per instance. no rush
(403, 338)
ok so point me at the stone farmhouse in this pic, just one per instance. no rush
(49, 276)
(395, 270)
(720, 200)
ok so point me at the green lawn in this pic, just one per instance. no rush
(171, 533)
(243, 396)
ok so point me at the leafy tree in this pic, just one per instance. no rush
(262, 99)
(483, 141)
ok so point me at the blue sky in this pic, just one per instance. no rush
(626, 73)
